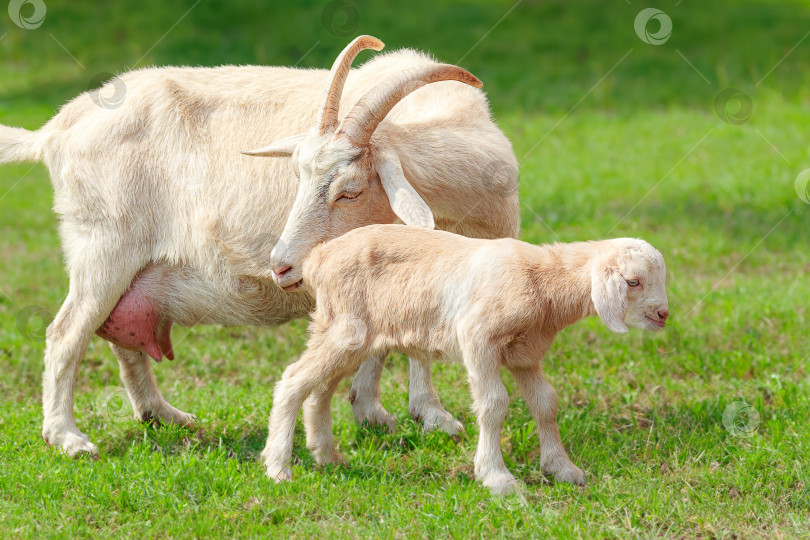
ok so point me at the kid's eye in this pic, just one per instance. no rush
(633, 282)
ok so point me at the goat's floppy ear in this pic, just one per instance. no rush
(609, 295)
(405, 201)
(282, 148)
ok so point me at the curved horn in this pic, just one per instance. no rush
(367, 114)
(328, 113)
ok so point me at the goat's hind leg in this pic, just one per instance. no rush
(365, 394)
(424, 404)
(98, 278)
(147, 402)
(66, 343)
(490, 402)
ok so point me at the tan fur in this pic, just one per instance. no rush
(486, 303)
(158, 185)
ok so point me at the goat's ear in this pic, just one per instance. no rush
(609, 295)
(405, 201)
(282, 148)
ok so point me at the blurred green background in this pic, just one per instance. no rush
(694, 144)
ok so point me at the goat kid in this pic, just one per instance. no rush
(488, 303)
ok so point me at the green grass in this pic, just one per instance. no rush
(642, 154)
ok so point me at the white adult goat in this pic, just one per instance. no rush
(356, 171)
(163, 221)
(487, 303)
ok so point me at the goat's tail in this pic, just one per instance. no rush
(17, 144)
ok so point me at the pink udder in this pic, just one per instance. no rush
(135, 323)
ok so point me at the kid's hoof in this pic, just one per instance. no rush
(328, 458)
(501, 484)
(72, 444)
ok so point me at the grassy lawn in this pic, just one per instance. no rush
(616, 137)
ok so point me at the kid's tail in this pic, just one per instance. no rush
(17, 144)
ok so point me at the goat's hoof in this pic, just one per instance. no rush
(564, 471)
(165, 415)
(74, 444)
(433, 418)
(448, 425)
(279, 474)
(371, 412)
(501, 483)
(572, 476)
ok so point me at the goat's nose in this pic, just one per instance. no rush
(280, 269)
(663, 313)
(278, 261)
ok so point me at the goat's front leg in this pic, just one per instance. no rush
(490, 403)
(147, 401)
(423, 401)
(288, 396)
(541, 399)
(320, 362)
(365, 394)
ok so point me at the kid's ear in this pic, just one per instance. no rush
(609, 295)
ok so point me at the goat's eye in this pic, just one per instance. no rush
(349, 196)
(633, 282)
